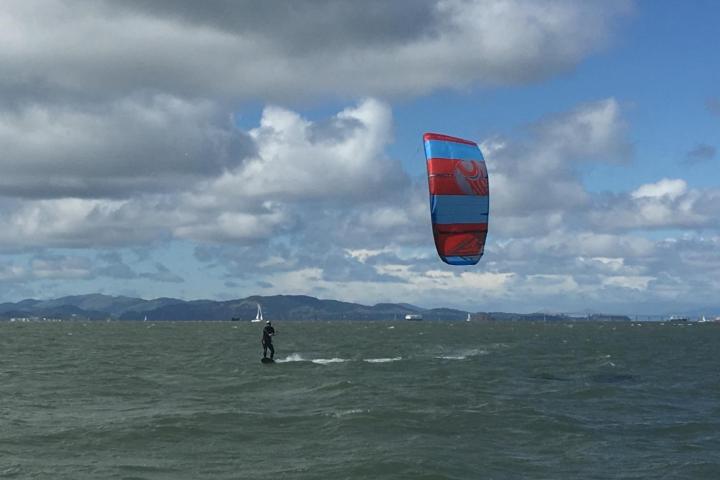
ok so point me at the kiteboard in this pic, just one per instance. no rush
(267, 360)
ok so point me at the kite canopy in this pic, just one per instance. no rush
(459, 198)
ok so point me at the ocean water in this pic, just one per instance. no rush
(360, 400)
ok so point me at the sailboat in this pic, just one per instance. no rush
(258, 315)
(468, 318)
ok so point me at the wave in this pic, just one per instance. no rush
(293, 357)
(296, 357)
(381, 360)
(344, 413)
(325, 361)
(463, 355)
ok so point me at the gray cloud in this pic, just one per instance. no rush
(300, 177)
(46, 266)
(535, 178)
(116, 131)
(290, 49)
(115, 119)
(52, 267)
(574, 269)
(290, 222)
(299, 26)
(87, 223)
(701, 153)
(156, 143)
(269, 225)
(713, 105)
(668, 203)
(111, 264)
(116, 270)
(11, 273)
(162, 274)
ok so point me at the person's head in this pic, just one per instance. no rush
(267, 322)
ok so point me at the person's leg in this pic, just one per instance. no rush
(272, 350)
(265, 347)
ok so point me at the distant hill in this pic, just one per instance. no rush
(276, 307)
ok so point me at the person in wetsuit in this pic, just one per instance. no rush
(267, 335)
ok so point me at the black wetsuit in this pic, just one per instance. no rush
(268, 332)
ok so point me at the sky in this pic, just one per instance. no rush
(223, 149)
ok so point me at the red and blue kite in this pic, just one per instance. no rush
(459, 198)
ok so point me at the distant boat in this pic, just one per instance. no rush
(678, 318)
(145, 319)
(468, 318)
(413, 316)
(258, 315)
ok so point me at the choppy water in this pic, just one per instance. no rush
(367, 400)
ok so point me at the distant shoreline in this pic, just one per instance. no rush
(99, 307)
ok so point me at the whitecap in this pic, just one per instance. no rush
(325, 361)
(343, 413)
(294, 357)
(452, 357)
(381, 360)
(464, 354)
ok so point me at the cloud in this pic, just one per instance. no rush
(47, 267)
(574, 269)
(136, 144)
(61, 267)
(343, 159)
(116, 270)
(701, 153)
(162, 274)
(299, 173)
(668, 203)
(665, 188)
(319, 207)
(237, 227)
(116, 128)
(304, 171)
(80, 223)
(569, 271)
(535, 179)
(713, 105)
(537, 186)
(11, 272)
(54, 267)
(285, 49)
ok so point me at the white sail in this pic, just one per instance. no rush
(258, 315)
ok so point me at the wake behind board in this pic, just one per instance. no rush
(267, 360)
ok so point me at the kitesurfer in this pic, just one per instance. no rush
(267, 335)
